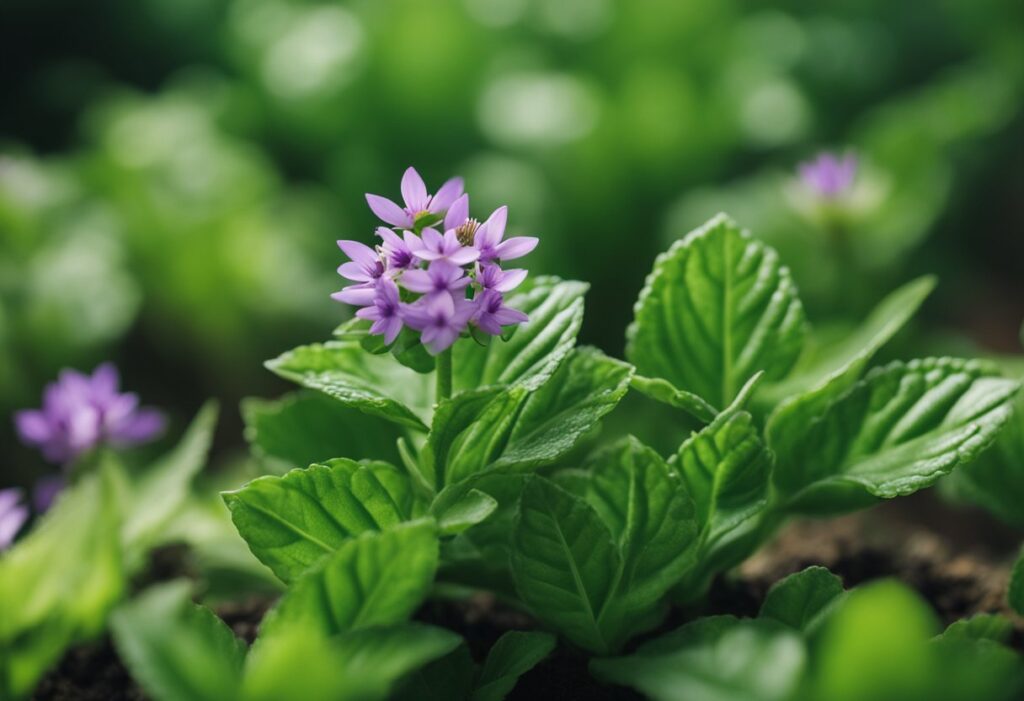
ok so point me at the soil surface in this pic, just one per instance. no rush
(958, 560)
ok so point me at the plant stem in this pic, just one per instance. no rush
(444, 375)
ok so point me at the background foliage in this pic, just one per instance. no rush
(173, 173)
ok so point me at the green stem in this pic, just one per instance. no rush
(444, 375)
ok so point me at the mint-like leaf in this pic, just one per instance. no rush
(515, 653)
(896, 431)
(536, 348)
(373, 384)
(802, 600)
(176, 650)
(375, 579)
(717, 308)
(291, 522)
(302, 428)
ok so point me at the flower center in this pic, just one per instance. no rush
(465, 231)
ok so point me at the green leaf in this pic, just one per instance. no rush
(59, 583)
(713, 659)
(302, 428)
(564, 562)
(725, 468)
(653, 523)
(598, 569)
(373, 384)
(472, 508)
(554, 417)
(536, 349)
(663, 391)
(449, 678)
(896, 431)
(802, 600)
(516, 430)
(176, 650)
(515, 653)
(374, 579)
(981, 626)
(995, 481)
(874, 646)
(833, 369)
(292, 522)
(717, 308)
(1015, 594)
(358, 665)
(160, 493)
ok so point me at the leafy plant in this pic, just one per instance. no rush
(59, 583)
(497, 485)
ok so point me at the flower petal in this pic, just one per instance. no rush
(414, 191)
(449, 193)
(516, 247)
(491, 231)
(356, 295)
(464, 256)
(458, 213)
(33, 426)
(359, 252)
(510, 279)
(417, 281)
(388, 211)
(142, 426)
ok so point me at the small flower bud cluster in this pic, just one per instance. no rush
(437, 281)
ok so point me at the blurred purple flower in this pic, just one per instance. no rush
(441, 320)
(491, 313)
(417, 200)
(13, 514)
(491, 277)
(488, 239)
(81, 411)
(385, 311)
(828, 174)
(440, 278)
(434, 246)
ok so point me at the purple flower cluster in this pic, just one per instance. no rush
(438, 281)
(81, 411)
(829, 175)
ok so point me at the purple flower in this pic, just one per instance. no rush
(441, 278)
(418, 201)
(81, 411)
(491, 277)
(365, 268)
(488, 239)
(385, 311)
(397, 249)
(829, 175)
(441, 320)
(45, 491)
(491, 313)
(13, 514)
(434, 246)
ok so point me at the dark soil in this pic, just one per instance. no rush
(958, 561)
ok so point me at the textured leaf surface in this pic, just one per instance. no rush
(713, 659)
(653, 522)
(302, 428)
(833, 369)
(981, 626)
(664, 392)
(896, 431)
(564, 561)
(375, 579)
(717, 308)
(176, 650)
(373, 384)
(293, 521)
(514, 429)
(555, 308)
(801, 600)
(515, 653)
